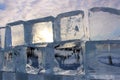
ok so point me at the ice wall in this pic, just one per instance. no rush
(56, 45)
(104, 23)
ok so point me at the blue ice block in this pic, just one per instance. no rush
(104, 23)
(102, 57)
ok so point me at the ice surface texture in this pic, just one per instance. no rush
(104, 23)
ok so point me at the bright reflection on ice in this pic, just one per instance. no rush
(42, 32)
(17, 32)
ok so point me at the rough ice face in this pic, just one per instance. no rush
(2, 37)
(8, 75)
(71, 25)
(20, 59)
(42, 32)
(1, 60)
(39, 60)
(34, 60)
(17, 32)
(69, 57)
(104, 24)
(8, 61)
(102, 57)
(14, 60)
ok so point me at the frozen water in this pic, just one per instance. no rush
(1, 60)
(39, 60)
(8, 61)
(64, 57)
(2, 37)
(21, 76)
(14, 59)
(70, 25)
(104, 24)
(102, 58)
(69, 58)
(39, 31)
(42, 32)
(35, 77)
(34, 60)
(20, 59)
(17, 32)
(8, 76)
(49, 59)
(8, 42)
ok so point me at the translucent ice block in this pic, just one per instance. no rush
(39, 60)
(8, 61)
(42, 32)
(1, 60)
(8, 76)
(104, 23)
(70, 25)
(17, 32)
(2, 37)
(39, 31)
(69, 57)
(35, 77)
(34, 60)
(21, 76)
(102, 57)
(20, 59)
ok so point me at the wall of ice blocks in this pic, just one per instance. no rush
(104, 23)
(61, 36)
(102, 57)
